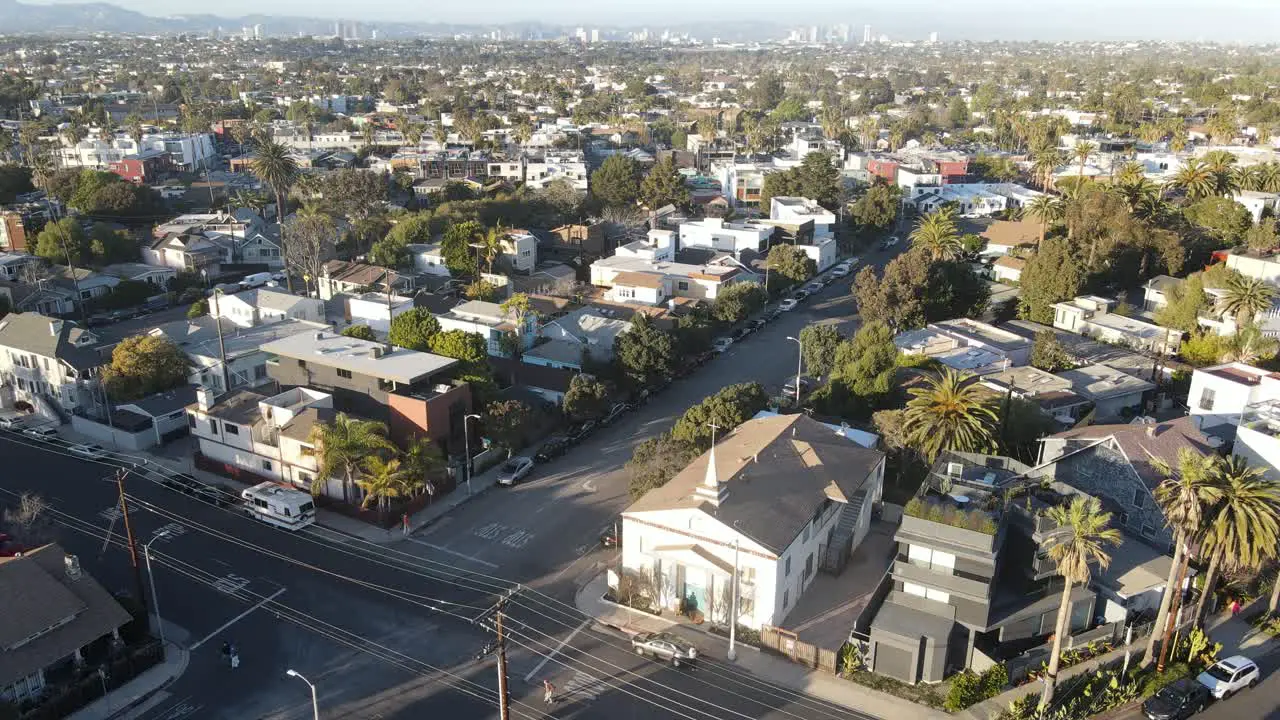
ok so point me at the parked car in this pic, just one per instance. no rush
(807, 384)
(611, 536)
(813, 288)
(665, 646)
(514, 469)
(182, 482)
(552, 447)
(1227, 677)
(800, 295)
(10, 547)
(839, 271)
(615, 412)
(757, 324)
(721, 344)
(218, 494)
(99, 319)
(773, 314)
(12, 422)
(889, 242)
(88, 450)
(1177, 701)
(742, 332)
(255, 280)
(702, 357)
(788, 305)
(578, 433)
(44, 432)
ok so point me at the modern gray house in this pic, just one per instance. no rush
(971, 584)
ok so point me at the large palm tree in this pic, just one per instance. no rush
(1046, 162)
(1080, 539)
(274, 166)
(1241, 529)
(343, 445)
(1245, 297)
(423, 462)
(1222, 164)
(1129, 173)
(1268, 175)
(382, 481)
(1046, 209)
(1195, 179)
(938, 235)
(1182, 496)
(1082, 151)
(948, 413)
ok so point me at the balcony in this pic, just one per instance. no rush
(1262, 418)
(955, 584)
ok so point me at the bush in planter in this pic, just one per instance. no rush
(966, 689)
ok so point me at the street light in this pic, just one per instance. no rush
(733, 607)
(151, 578)
(315, 704)
(799, 364)
(466, 440)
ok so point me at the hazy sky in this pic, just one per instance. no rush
(1222, 20)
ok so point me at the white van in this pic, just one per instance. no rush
(255, 280)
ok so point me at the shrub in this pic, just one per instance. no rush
(966, 689)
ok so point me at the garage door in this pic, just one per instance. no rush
(895, 662)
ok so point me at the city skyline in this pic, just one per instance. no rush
(910, 19)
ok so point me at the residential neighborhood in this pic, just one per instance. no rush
(765, 366)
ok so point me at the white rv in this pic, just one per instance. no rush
(278, 505)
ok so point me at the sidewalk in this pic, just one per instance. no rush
(127, 701)
(769, 667)
(346, 525)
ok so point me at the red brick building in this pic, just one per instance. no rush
(143, 168)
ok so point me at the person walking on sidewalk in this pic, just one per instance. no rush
(1235, 607)
(548, 692)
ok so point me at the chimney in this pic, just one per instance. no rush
(378, 350)
(1151, 430)
(319, 334)
(71, 564)
(55, 327)
(204, 398)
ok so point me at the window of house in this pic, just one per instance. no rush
(1206, 398)
(231, 429)
(302, 363)
(924, 557)
(914, 589)
(786, 567)
(1148, 530)
(786, 598)
(213, 426)
(808, 565)
(1138, 497)
(684, 285)
(344, 373)
(266, 465)
(1124, 518)
(191, 421)
(804, 537)
(304, 478)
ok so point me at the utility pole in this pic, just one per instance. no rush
(504, 700)
(222, 348)
(133, 549)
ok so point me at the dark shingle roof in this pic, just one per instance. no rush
(1163, 443)
(34, 333)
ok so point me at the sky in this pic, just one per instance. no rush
(1219, 20)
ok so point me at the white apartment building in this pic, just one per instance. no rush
(1091, 316)
(967, 345)
(1220, 394)
(981, 199)
(716, 234)
(190, 152)
(645, 272)
(491, 322)
(1257, 203)
(376, 310)
(520, 251)
(263, 306)
(428, 259)
(797, 210)
(49, 366)
(764, 506)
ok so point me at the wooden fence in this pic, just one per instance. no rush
(788, 645)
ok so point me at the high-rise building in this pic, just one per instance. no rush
(933, 37)
(581, 34)
(259, 32)
(866, 33)
(813, 33)
(595, 35)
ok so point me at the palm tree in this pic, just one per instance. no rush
(948, 414)
(1082, 151)
(1183, 495)
(1129, 173)
(249, 199)
(1222, 164)
(490, 245)
(937, 233)
(1242, 529)
(1195, 179)
(1079, 540)
(1045, 164)
(832, 120)
(275, 167)
(1266, 177)
(1245, 297)
(423, 463)
(383, 480)
(343, 445)
(1047, 209)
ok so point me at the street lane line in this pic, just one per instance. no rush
(237, 618)
(451, 552)
(547, 658)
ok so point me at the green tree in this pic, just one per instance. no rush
(664, 185)
(735, 302)
(780, 183)
(1051, 276)
(1222, 218)
(389, 252)
(1246, 297)
(57, 238)
(655, 461)
(915, 290)
(1186, 303)
(14, 179)
(1263, 237)
(342, 446)
(586, 398)
(424, 463)
(198, 308)
(1048, 354)
(413, 329)
(360, 332)
(727, 409)
(1242, 529)
(273, 165)
(789, 265)
(616, 182)
(1083, 534)
(1047, 210)
(507, 423)
(1195, 179)
(862, 373)
(877, 209)
(411, 228)
(383, 480)
(456, 247)
(819, 343)
(958, 112)
(644, 353)
(950, 413)
(937, 235)
(468, 347)
(143, 365)
(108, 245)
(819, 180)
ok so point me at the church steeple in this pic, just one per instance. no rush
(711, 489)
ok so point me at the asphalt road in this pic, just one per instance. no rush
(1260, 703)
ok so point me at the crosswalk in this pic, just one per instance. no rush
(581, 686)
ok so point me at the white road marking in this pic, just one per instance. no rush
(588, 486)
(553, 653)
(112, 513)
(237, 618)
(580, 684)
(452, 552)
(517, 539)
(583, 551)
(230, 583)
(491, 531)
